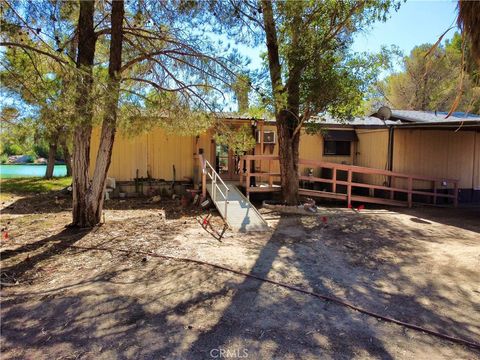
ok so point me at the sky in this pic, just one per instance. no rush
(415, 23)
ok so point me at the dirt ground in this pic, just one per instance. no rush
(417, 265)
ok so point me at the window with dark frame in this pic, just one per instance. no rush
(335, 147)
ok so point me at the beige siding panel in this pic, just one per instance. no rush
(205, 143)
(166, 150)
(311, 148)
(372, 152)
(434, 153)
(476, 162)
(152, 153)
(268, 149)
(128, 155)
(461, 146)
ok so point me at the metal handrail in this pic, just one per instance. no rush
(214, 176)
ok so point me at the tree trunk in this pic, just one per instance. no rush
(288, 145)
(286, 120)
(66, 129)
(67, 157)
(83, 129)
(107, 137)
(89, 208)
(52, 152)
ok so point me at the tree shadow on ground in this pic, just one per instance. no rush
(94, 320)
(465, 218)
(166, 309)
(288, 323)
(55, 202)
(52, 202)
(311, 327)
(57, 244)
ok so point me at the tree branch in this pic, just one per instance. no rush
(24, 46)
(305, 116)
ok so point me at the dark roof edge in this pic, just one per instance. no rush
(436, 124)
(452, 124)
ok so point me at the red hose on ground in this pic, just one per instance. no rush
(294, 288)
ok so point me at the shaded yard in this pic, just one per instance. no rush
(417, 265)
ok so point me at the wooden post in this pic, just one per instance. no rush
(203, 174)
(204, 183)
(390, 189)
(455, 189)
(334, 178)
(349, 188)
(261, 144)
(392, 185)
(247, 182)
(410, 195)
(270, 179)
(241, 171)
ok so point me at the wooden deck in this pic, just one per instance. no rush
(241, 214)
(395, 195)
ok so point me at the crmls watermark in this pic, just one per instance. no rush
(228, 353)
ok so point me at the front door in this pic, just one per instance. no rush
(227, 163)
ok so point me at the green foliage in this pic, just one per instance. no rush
(260, 112)
(165, 110)
(313, 128)
(43, 90)
(331, 78)
(432, 82)
(40, 149)
(171, 78)
(24, 137)
(318, 72)
(241, 88)
(18, 137)
(239, 140)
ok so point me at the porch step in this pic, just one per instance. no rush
(340, 196)
(241, 214)
(325, 194)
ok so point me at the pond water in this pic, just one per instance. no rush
(30, 170)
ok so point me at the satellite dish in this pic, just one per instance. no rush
(384, 112)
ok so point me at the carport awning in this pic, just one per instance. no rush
(340, 135)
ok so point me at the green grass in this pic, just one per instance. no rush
(33, 185)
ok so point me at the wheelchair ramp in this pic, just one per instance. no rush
(241, 214)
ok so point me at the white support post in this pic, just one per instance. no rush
(214, 187)
(226, 203)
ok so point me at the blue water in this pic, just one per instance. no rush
(16, 171)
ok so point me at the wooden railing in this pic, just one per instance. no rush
(350, 183)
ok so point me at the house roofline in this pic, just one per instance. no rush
(471, 124)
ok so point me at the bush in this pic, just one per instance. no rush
(12, 149)
(41, 149)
